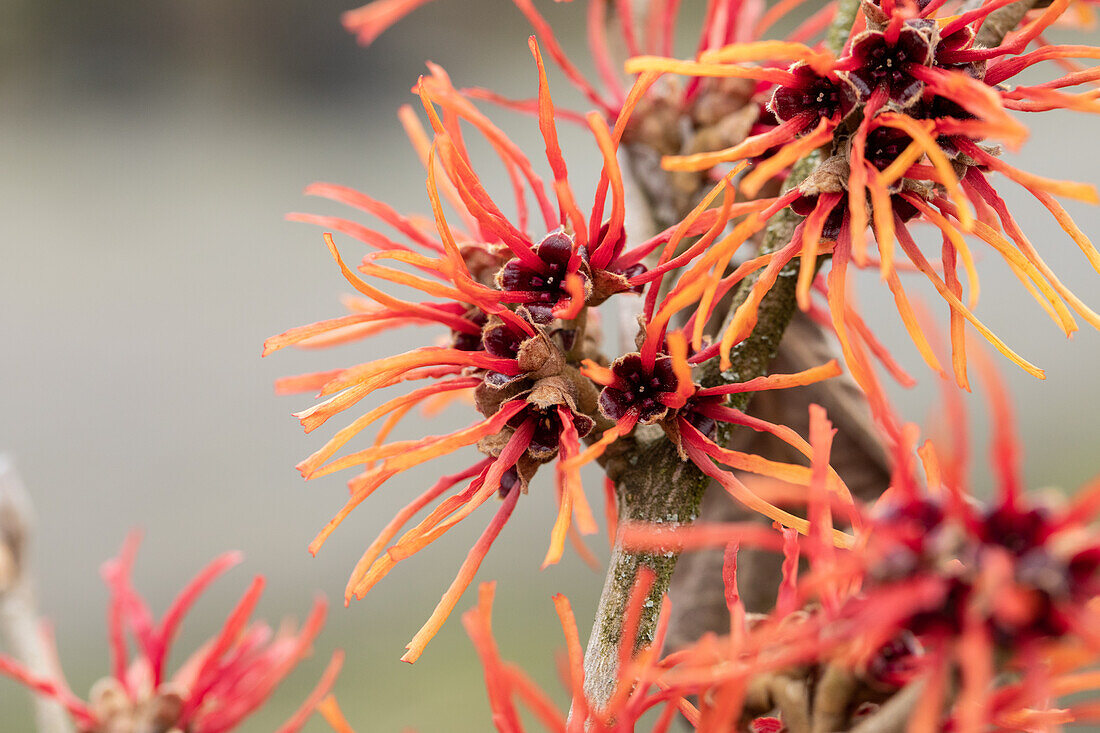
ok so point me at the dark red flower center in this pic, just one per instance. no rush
(548, 429)
(814, 96)
(884, 145)
(502, 340)
(508, 481)
(471, 341)
(1017, 531)
(896, 661)
(639, 388)
(1045, 589)
(804, 206)
(694, 411)
(878, 63)
(545, 286)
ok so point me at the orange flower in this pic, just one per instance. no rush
(938, 585)
(515, 305)
(651, 33)
(905, 108)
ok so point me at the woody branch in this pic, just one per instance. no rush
(657, 486)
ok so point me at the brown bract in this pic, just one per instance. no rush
(118, 713)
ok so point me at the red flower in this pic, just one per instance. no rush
(644, 392)
(939, 587)
(551, 285)
(214, 690)
(928, 97)
(1028, 569)
(664, 393)
(515, 307)
(876, 61)
(810, 97)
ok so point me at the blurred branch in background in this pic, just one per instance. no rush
(19, 624)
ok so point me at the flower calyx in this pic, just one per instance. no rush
(635, 388)
(876, 62)
(115, 710)
(813, 97)
(553, 407)
(551, 287)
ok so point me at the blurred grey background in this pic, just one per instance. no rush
(149, 152)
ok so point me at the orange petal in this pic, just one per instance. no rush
(308, 466)
(576, 662)
(548, 127)
(770, 51)
(390, 530)
(404, 454)
(779, 381)
(313, 701)
(640, 64)
(330, 711)
(371, 20)
(785, 156)
(466, 573)
(918, 259)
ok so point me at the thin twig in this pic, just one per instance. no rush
(19, 624)
(1001, 21)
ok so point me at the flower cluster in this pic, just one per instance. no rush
(901, 112)
(927, 608)
(897, 126)
(904, 118)
(227, 679)
(943, 594)
(523, 344)
(515, 306)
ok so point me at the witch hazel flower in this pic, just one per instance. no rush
(518, 309)
(653, 116)
(809, 97)
(878, 61)
(904, 118)
(1015, 528)
(984, 612)
(215, 689)
(1011, 585)
(545, 283)
(644, 393)
(649, 387)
